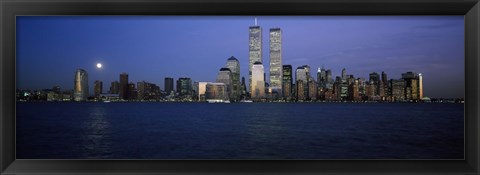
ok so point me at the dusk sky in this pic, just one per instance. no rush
(150, 48)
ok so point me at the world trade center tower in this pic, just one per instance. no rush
(276, 61)
(255, 49)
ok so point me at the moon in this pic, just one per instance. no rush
(99, 65)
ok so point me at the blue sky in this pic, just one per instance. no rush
(150, 48)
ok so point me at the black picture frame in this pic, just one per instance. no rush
(11, 8)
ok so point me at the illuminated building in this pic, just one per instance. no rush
(234, 65)
(300, 90)
(80, 92)
(258, 81)
(398, 89)
(276, 61)
(184, 86)
(255, 50)
(216, 91)
(312, 90)
(225, 76)
(375, 79)
(287, 81)
(420, 86)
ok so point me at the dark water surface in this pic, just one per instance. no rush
(240, 131)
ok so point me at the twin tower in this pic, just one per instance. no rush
(256, 70)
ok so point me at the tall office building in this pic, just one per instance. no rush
(80, 92)
(234, 65)
(123, 94)
(276, 61)
(420, 86)
(225, 76)
(412, 86)
(329, 76)
(97, 88)
(168, 85)
(184, 86)
(287, 81)
(344, 74)
(132, 93)
(114, 87)
(302, 74)
(255, 50)
(375, 79)
(258, 80)
(300, 90)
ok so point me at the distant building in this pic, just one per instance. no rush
(184, 86)
(412, 86)
(312, 90)
(168, 85)
(302, 74)
(255, 51)
(132, 93)
(225, 76)
(200, 89)
(234, 65)
(420, 86)
(98, 88)
(276, 61)
(300, 94)
(375, 79)
(258, 81)
(287, 81)
(80, 92)
(216, 91)
(398, 89)
(124, 86)
(114, 87)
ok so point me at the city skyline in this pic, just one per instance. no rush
(430, 73)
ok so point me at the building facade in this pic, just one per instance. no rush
(276, 61)
(97, 88)
(225, 76)
(287, 81)
(255, 50)
(216, 91)
(258, 81)
(234, 65)
(80, 92)
(123, 86)
(168, 85)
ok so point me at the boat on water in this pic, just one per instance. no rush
(246, 101)
(107, 101)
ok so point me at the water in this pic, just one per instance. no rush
(240, 131)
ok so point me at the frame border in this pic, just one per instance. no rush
(11, 8)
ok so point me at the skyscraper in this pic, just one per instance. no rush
(123, 94)
(80, 92)
(258, 82)
(344, 74)
(420, 86)
(225, 76)
(375, 79)
(168, 85)
(114, 87)
(184, 86)
(287, 81)
(302, 74)
(276, 60)
(234, 65)
(97, 88)
(255, 50)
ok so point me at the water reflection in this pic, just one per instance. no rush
(97, 133)
(264, 131)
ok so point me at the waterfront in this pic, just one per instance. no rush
(240, 131)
